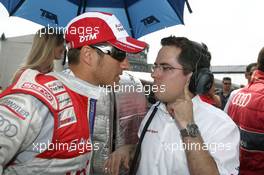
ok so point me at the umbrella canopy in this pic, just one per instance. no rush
(139, 17)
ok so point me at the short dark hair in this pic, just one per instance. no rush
(249, 67)
(73, 56)
(261, 60)
(226, 79)
(193, 55)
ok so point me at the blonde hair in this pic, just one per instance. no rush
(41, 55)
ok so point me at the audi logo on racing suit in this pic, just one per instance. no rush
(241, 99)
(7, 128)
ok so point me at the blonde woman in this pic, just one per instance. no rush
(47, 46)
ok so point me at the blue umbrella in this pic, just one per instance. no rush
(139, 17)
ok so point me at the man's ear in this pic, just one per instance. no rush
(189, 75)
(86, 55)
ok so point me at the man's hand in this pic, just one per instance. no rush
(121, 156)
(182, 109)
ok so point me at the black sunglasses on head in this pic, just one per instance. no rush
(116, 53)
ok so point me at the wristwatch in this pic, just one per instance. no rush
(191, 130)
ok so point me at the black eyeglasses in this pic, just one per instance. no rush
(116, 53)
(164, 68)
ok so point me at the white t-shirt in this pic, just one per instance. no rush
(162, 151)
(233, 93)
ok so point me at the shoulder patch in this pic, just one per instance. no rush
(55, 86)
(39, 89)
(67, 117)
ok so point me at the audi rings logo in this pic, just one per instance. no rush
(241, 99)
(7, 128)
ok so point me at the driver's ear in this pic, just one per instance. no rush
(86, 55)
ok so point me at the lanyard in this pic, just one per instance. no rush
(134, 165)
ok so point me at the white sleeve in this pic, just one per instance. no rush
(233, 93)
(224, 147)
(20, 123)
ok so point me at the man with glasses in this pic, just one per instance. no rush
(185, 135)
(47, 121)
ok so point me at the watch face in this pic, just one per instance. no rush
(193, 130)
(184, 132)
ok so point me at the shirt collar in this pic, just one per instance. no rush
(257, 76)
(69, 72)
(195, 100)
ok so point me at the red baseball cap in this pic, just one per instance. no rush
(97, 27)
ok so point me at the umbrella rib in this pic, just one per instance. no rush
(129, 20)
(17, 7)
(188, 6)
(84, 6)
(81, 5)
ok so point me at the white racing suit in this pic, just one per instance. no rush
(44, 128)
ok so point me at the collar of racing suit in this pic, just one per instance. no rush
(258, 76)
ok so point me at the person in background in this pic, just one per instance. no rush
(182, 124)
(47, 46)
(250, 70)
(225, 92)
(246, 109)
(48, 119)
(1, 89)
(248, 74)
(211, 97)
(131, 106)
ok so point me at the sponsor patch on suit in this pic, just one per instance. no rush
(67, 117)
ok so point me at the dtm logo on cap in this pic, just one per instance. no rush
(84, 33)
(90, 33)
